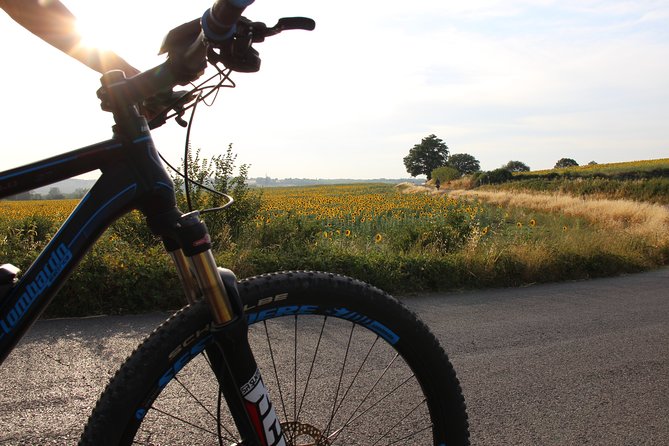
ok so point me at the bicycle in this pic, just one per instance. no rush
(336, 353)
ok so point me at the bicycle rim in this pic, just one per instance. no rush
(344, 364)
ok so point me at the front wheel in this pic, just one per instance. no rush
(345, 364)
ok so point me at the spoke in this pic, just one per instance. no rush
(311, 368)
(369, 392)
(353, 417)
(216, 418)
(169, 415)
(292, 435)
(276, 373)
(341, 377)
(219, 424)
(357, 373)
(403, 440)
(295, 368)
(396, 425)
(379, 400)
(197, 400)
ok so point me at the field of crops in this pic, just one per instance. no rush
(607, 169)
(56, 210)
(398, 241)
(364, 212)
(645, 181)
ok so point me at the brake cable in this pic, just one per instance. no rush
(224, 76)
(251, 62)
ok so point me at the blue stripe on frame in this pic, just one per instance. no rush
(132, 187)
(40, 166)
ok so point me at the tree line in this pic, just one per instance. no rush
(53, 194)
(431, 158)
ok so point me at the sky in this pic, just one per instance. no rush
(527, 80)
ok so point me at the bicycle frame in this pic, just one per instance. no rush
(134, 178)
(116, 192)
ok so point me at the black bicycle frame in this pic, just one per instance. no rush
(119, 189)
(134, 178)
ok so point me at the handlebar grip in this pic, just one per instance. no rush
(219, 23)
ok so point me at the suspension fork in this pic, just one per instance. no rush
(189, 245)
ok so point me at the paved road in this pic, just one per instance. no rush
(572, 363)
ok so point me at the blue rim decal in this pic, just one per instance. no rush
(339, 312)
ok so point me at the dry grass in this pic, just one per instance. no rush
(410, 188)
(643, 219)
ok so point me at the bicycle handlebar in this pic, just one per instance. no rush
(219, 22)
(221, 27)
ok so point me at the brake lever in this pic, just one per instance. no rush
(237, 53)
(160, 106)
(283, 24)
(303, 23)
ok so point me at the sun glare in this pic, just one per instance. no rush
(94, 36)
(117, 34)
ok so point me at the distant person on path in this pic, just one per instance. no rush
(437, 184)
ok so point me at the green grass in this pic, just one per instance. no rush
(652, 190)
(466, 244)
(636, 180)
(609, 169)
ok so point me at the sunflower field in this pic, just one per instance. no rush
(401, 242)
(367, 216)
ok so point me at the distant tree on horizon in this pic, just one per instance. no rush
(423, 158)
(55, 194)
(465, 163)
(516, 166)
(565, 162)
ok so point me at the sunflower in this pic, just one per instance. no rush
(533, 223)
(347, 233)
(519, 225)
(484, 231)
(378, 238)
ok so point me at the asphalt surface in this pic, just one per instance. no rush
(572, 363)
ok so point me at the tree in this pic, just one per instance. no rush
(565, 162)
(423, 158)
(22, 196)
(54, 194)
(464, 162)
(516, 166)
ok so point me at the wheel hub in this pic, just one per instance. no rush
(302, 434)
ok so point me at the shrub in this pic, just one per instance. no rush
(565, 162)
(217, 173)
(445, 174)
(496, 176)
(516, 166)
